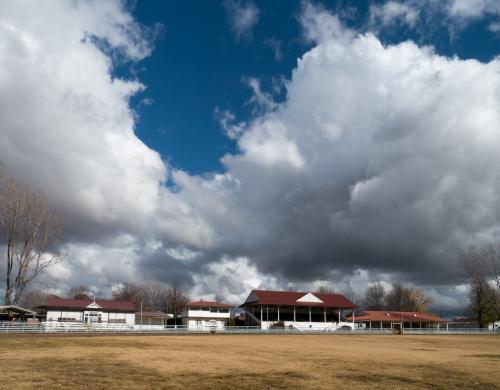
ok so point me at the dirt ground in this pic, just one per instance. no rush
(250, 362)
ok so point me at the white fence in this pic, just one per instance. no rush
(78, 327)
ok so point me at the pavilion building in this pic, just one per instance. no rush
(300, 310)
(376, 319)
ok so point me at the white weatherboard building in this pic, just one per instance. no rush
(206, 315)
(105, 313)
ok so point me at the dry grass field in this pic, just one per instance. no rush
(250, 362)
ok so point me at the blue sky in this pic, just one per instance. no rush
(198, 65)
(242, 144)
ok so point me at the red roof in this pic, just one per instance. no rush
(209, 304)
(80, 304)
(291, 298)
(395, 316)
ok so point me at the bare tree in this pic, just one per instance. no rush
(375, 297)
(35, 298)
(482, 270)
(405, 298)
(156, 297)
(29, 229)
(178, 298)
(324, 290)
(131, 292)
(79, 292)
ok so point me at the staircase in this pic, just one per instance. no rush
(253, 318)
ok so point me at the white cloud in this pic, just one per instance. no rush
(231, 280)
(391, 12)
(260, 98)
(227, 121)
(494, 27)
(275, 45)
(243, 17)
(473, 8)
(376, 160)
(67, 127)
(382, 160)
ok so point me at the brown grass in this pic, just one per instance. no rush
(250, 362)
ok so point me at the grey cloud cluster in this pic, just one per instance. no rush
(381, 164)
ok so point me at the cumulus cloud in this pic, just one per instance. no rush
(243, 17)
(67, 127)
(380, 164)
(382, 158)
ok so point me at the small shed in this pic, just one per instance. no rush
(151, 320)
(15, 313)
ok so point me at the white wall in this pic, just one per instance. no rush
(53, 315)
(204, 324)
(204, 314)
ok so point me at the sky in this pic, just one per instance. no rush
(233, 145)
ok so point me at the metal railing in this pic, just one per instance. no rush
(78, 327)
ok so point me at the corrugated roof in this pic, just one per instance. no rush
(291, 298)
(62, 303)
(209, 304)
(17, 309)
(394, 316)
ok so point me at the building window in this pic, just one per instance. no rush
(117, 321)
(66, 319)
(92, 318)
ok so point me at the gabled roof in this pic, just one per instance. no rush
(209, 304)
(82, 304)
(395, 316)
(297, 298)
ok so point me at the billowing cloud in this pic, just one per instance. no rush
(382, 158)
(242, 16)
(380, 164)
(67, 127)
